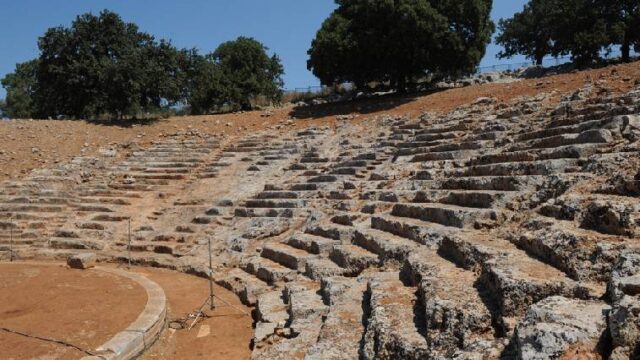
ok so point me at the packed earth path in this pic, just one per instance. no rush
(493, 221)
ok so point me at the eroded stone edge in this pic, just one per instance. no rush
(144, 331)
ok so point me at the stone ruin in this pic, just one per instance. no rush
(494, 231)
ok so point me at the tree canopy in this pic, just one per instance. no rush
(247, 72)
(400, 41)
(580, 28)
(528, 32)
(20, 86)
(103, 66)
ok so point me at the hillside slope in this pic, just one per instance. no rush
(485, 222)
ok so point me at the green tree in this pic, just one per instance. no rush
(623, 18)
(20, 86)
(579, 29)
(400, 41)
(329, 54)
(202, 87)
(102, 65)
(245, 71)
(529, 32)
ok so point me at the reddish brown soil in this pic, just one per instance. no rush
(61, 140)
(84, 308)
(230, 331)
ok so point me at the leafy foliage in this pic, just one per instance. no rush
(104, 65)
(528, 32)
(101, 65)
(234, 75)
(623, 17)
(582, 28)
(20, 86)
(246, 71)
(400, 41)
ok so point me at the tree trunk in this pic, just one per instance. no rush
(402, 84)
(626, 49)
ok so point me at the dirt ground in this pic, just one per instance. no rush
(225, 334)
(26, 145)
(83, 308)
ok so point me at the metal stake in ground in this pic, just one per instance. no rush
(210, 277)
(129, 246)
(11, 239)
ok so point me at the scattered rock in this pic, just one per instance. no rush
(556, 326)
(82, 261)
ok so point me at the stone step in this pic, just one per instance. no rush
(475, 198)
(392, 327)
(351, 164)
(353, 259)
(32, 208)
(104, 200)
(286, 255)
(180, 170)
(37, 200)
(7, 244)
(554, 130)
(109, 218)
(267, 270)
(275, 203)
(178, 165)
(306, 310)
(268, 213)
(313, 160)
(319, 268)
(582, 151)
(80, 244)
(543, 167)
(439, 136)
(312, 244)
(207, 173)
(108, 193)
(514, 279)
(168, 158)
(323, 179)
(304, 187)
(457, 311)
(571, 323)
(246, 286)
(577, 252)
(150, 176)
(346, 171)
(277, 195)
(599, 136)
(332, 231)
(93, 209)
(421, 232)
(164, 248)
(449, 215)
(271, 314)
(466, 145)
(444, 128)
(444, 155)
(387, 246)
(342, 329)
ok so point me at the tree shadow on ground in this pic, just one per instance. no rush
(124, 123)
(360, 106)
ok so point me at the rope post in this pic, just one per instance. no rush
(211, 303)
(129, 246)
(11, 238)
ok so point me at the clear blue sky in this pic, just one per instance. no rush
(285, 26)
